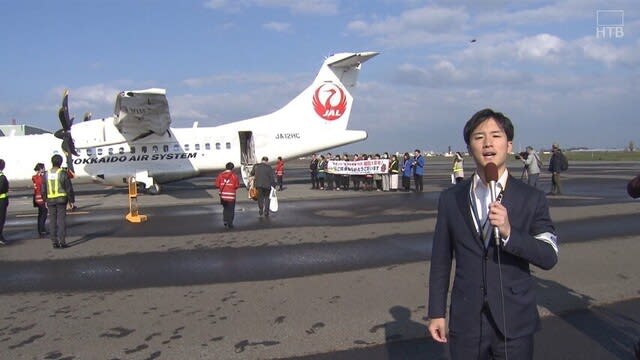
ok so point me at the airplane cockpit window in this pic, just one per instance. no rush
(176, 147)
(110, 151)
(197, 147)
(121, 150)
(186, 147)
(218, 146)
(154, 149)
(99, 151)
(207, 146)
(165, 148)
(228, 145)
(144, 149)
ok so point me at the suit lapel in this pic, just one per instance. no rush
(508, 199)
(464, 204)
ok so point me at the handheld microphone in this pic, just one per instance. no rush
(491, 174)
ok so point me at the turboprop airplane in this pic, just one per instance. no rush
(137, 141)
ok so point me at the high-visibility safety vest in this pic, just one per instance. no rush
(457, 166)
(3, 195)
(54, 190)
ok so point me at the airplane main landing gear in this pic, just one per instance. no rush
(154, 189)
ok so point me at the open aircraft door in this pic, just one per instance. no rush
(247, 155)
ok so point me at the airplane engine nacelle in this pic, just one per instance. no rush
(96, 133)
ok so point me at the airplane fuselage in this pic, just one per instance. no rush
(182, 153)
(137, 141)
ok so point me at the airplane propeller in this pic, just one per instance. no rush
(68, 147)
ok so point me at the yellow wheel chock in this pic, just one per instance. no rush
(133, 215)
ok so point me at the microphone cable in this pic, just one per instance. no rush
(504, 316)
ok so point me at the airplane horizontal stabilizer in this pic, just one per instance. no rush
(348, 60)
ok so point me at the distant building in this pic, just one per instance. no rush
(19, 130)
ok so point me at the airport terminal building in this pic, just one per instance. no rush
(8, 130)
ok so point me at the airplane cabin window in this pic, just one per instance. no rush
(133, 149)
(217, 146)
(110, 151)
(197, 147)
(121, 150)
(155, 149)
(144, 149)
(228, 145)
(165, 148)
(100, 152)
(89, 152)
(176, 147)
(186, 147)
(207, 146)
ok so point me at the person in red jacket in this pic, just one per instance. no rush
(279, 172)
(38, 201)
(227, 183)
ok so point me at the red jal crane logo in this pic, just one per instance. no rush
(333, 107)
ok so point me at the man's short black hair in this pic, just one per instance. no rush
(56, 160)
(265, 159)
(1, 164)
(483, 115)
(229, 166)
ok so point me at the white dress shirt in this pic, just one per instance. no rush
(481, 197)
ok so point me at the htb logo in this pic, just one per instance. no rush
(329, 101)
(610, 24)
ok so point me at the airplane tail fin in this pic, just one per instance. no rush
(327, 103)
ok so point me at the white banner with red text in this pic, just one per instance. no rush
(360, 167)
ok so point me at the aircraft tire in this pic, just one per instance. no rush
(154, 189)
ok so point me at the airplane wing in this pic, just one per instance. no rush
(139, 113)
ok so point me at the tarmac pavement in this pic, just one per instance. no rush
(332, 275)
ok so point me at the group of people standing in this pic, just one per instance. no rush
(531, 170)
(407, 167)
(52, 193)
(533, 165)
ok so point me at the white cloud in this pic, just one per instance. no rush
(608, 52)
(97, 99)
(317, 7)
(541, 12)
(234, 78)
(419, 26)
(277, 26)
(544, 47)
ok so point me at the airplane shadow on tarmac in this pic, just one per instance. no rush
(614, 331)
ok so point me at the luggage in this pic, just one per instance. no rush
(273, 200)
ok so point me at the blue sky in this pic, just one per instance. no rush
(538, 61)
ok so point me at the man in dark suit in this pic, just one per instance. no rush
(263, 181)
(493, 311)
